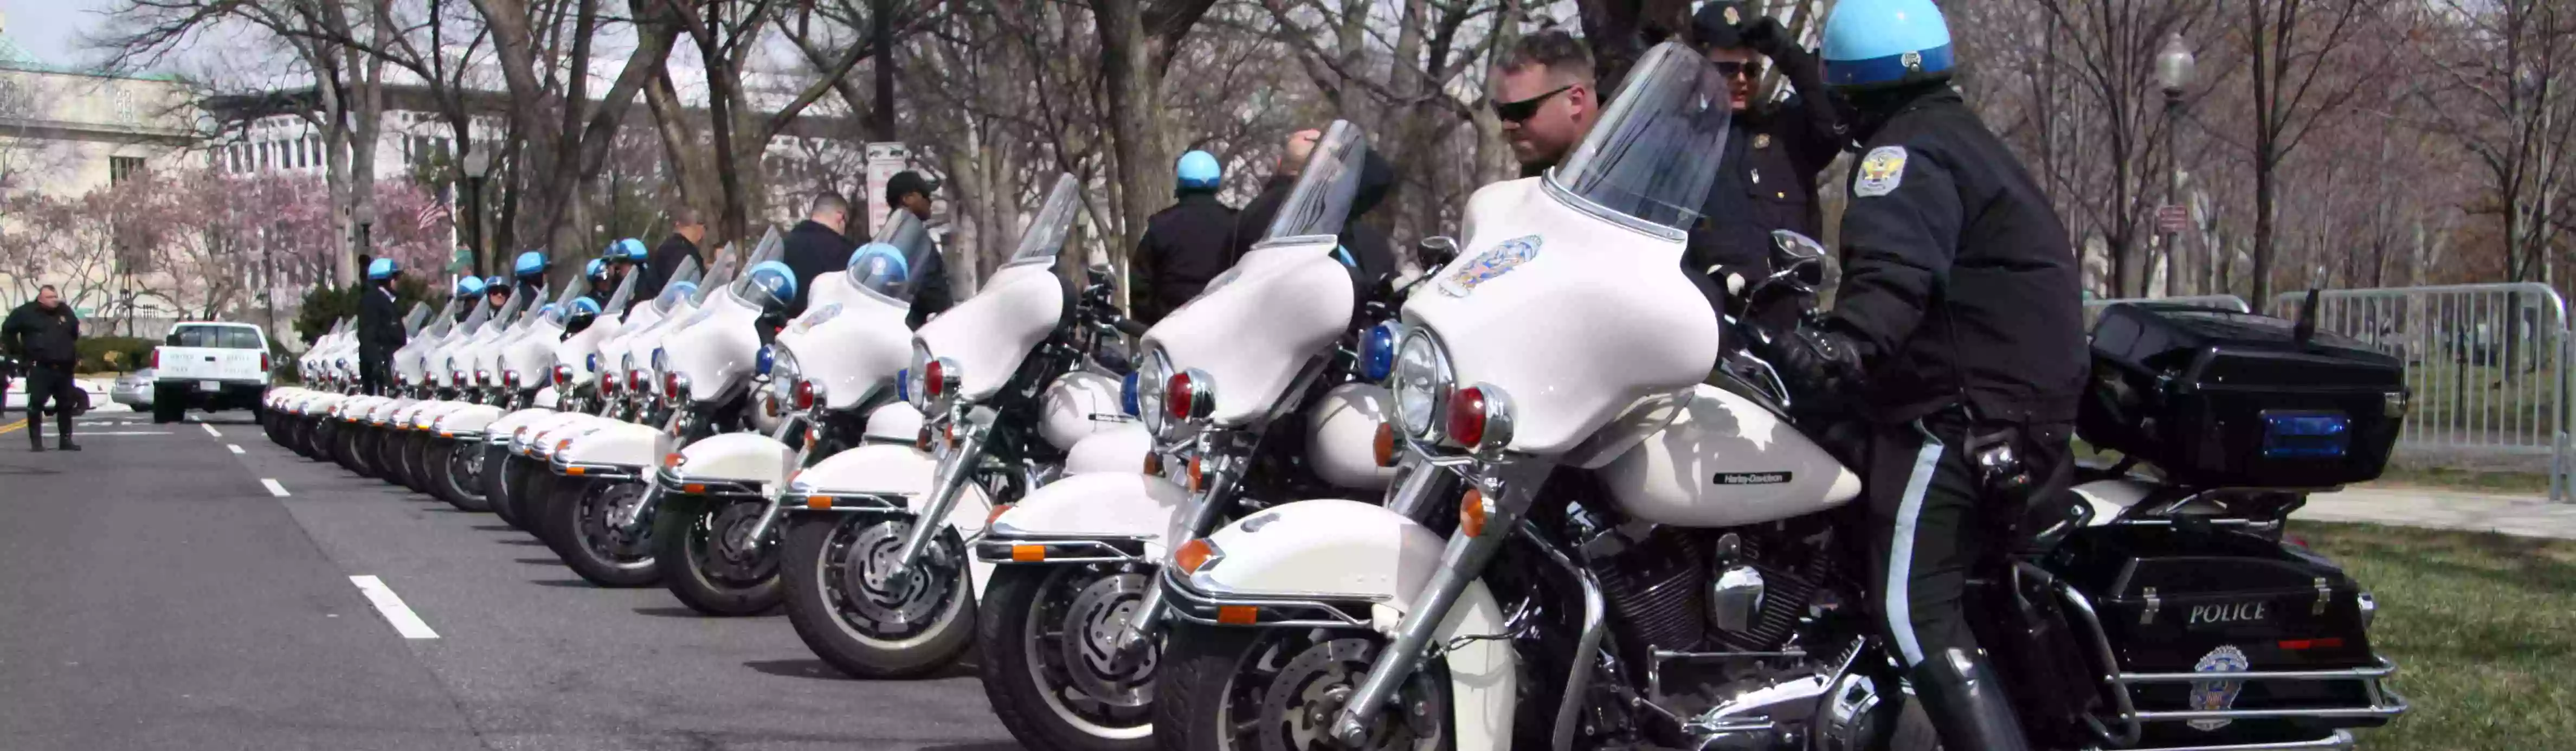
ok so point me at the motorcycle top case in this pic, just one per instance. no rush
(2181, 600)
(2225, 399)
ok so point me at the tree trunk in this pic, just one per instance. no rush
(1134, 89)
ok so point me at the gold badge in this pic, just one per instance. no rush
(1761, 140)
(1731, 17)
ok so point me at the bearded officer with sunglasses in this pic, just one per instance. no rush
(1767, 179)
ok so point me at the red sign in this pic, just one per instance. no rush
(2171, 219)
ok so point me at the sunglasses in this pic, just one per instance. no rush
(1514, 112)
(1745, 69)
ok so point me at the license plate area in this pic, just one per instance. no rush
(2289, 434)
(210, 386)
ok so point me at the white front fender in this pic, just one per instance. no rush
(1130, 505)
(1336, 549)
(747, 458)
(615, 444)
(1120, 449)
(504, 425)
(897, 470)
(547, 398)
(468, 419)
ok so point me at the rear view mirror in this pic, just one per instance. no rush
(1436, 251)
(1796, 260)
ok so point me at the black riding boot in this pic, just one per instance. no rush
(35, 426)
(1965, 701)
(63, 425)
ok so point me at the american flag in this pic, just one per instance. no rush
(430, 215)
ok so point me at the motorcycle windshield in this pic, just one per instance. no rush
(762, 286)
(446, 318)
(616, 299)
(474, 321)
(885, 266)
(1653, 154)
(682, 285)
(1320, 203)
(411, 321)
(721, 275)
(509, 312)
(1053, 223)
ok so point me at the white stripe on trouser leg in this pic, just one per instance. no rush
(1900, 556)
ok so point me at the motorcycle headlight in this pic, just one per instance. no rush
(1150, 392)
(913, 377)
(1422, 382)
(784, 372)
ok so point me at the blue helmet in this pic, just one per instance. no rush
(583, 306)
(596, 268)
(774, 278)
(382, 268)
(1199, 169)
(497, 284)
(529, 263)
(469, 287)
(629, 250)
(1882, 42)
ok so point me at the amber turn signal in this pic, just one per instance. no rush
(1473, 509)
(1385, 444)
(1028, 553)
(818, 502)
(1238, 615)
(1193, 554)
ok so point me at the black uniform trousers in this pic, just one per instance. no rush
(50, 381)
(375, 369)
(1932, 518)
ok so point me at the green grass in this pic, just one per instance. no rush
(2481, 481)
(2482, 627)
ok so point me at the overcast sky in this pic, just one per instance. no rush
(52, 29)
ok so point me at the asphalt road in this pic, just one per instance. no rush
(157, 595)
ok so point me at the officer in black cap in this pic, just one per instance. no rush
(1767, 180)
(909, 191)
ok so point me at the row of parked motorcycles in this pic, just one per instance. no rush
(1507, 503)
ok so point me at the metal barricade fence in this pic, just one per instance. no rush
(2487, 364)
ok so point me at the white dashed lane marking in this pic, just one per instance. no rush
(235, 447)
(210, 430)
(404, 621)
(273, 488)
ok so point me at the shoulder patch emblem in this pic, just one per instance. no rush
(1880, 172)
(1492, 264)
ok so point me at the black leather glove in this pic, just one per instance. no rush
(1764, 34)
(1815, 363)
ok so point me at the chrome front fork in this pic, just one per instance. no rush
(1461, 562)
(778, 493)
(952, 477)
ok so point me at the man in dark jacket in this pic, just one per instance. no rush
(1767, 179)
(1365, 249)
(688, 228)
(815, 246)
(44, 334)
(1185, 245)
(1958, 330)
(380, 329)
(909, 191)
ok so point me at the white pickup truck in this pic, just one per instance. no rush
(208, 365)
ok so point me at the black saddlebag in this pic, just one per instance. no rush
(2177, 608)
(2224, 399)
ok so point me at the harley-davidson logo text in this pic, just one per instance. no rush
(2238, 612)
(1751, 478)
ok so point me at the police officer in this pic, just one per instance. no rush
(815, 247)
(688, 228)
(1185, 245)
(623, 257)
(909, 191)
(1957, 330)
(603, 277)
(1365, 249)
(380, 329)
(1767, 178)
(469, 292)
(530, 268)
(45, 335)
(497, 291)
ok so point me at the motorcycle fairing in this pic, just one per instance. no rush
(989, 334)
(468, 421)
(625, 446)
(1285, 303)
(1725, 461)
(1598, 315)
(851, 349)
(749, 459)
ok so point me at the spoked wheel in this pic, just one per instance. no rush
(456, 471)
(312, 440)
(500, 468)
(704, 548)
(1054, 673)
(388, 456)
(416, 466)
(357, 449)
(881, 627)
(579, 528)
(1242, 689)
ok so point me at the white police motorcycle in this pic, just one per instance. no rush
(582, 360)
(598, 511)
(1250, 393)
(533, 379)
(1633, 558)
(831, 386)
(879, 583)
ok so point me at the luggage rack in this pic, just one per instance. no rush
(2130, 721)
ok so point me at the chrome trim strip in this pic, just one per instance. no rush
(2342, 739)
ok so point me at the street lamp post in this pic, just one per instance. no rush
(477, 164)
(2173, 72)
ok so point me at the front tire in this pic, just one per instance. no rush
(699, 547)
(866, 631)
(1232, 688)
(456, 472)
(416, 466)
(1048, 661)
(355, 448)
(576, 527)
